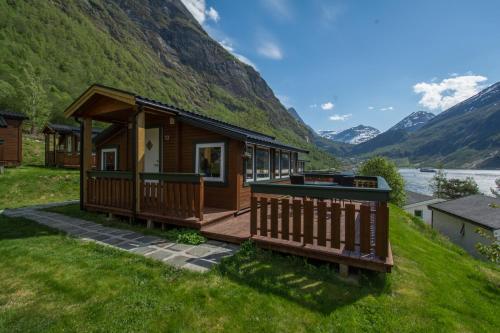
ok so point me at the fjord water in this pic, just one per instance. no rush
(419, 181)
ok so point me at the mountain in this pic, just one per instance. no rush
(414, 121)
(154, 48)
(466, 135)
(353, 135)
(295, 114)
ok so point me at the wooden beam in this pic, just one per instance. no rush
(86, 157)
(140, 138)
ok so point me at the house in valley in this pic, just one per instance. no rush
(164, 165)
(417, 204)
(62, 145)
(459, 219)
(11, 138)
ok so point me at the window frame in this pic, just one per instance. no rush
(218, 144)
(420, 213)
(109, 150)
(249, 180)
(283, 152)
(69, 145)
(277, 165)
(256, 177)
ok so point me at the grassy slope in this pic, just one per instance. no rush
(49, 282)
(71, 53)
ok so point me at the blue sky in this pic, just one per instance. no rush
(345, 63)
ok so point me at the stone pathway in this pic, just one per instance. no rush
(198, 258)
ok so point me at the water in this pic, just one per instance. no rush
(417, 181)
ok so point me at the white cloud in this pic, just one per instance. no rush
(448, 92)
(228, 45)
(279, 8)
(327, 106)
(371, 108)
(340, 117)
(270, 50)
(199, 11)
(388, 108)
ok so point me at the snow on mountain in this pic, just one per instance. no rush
(414, 121)
(354, 135)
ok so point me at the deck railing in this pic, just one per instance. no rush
(326, 222)
(172, 194)
(110, 189)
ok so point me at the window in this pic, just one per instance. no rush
(77, 143)
(300, 166)
(292, 163)
(69, 147)
(210, 161)
(249, 164)
(418, 213)
(276, 164)
(285, 164)
(109, 159)
(262, 164)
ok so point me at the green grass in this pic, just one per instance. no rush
(28, 185)
(181, 235)
(50, 282)
(33, 150)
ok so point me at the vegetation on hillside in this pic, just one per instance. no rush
(381, 166)
(52, 51)
(51, 282)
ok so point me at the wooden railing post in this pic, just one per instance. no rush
(201, 204)
(140, 138)
(253, 215)
(382, 230)
(86, 157)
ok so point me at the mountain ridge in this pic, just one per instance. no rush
(354, 135)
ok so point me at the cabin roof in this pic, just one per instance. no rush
(7, 114)
(414, 197)
(477, 209)
(191, 117)
(67, 129)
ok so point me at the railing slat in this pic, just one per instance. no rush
(322, 223)
(285, 219)
(263, 216)
(297, 218)
(350, 231)
(364, 231)
(253, 216)
(274, 217)
(308, 221)
(335, 225)
(382, 230)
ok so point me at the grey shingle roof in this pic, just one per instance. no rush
(414, 197)
(475, 208)
(66, 129)
(12, 115)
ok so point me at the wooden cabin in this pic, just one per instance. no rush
(11, 138)
(62, 145)
(165, 165)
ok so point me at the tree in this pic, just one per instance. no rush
(490, 251)
(452, 188)
(32, 99)
(380, 166)
(495, 192)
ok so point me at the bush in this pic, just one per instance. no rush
(186, 236)
(380, 166)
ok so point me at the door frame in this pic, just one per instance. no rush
(160, 143)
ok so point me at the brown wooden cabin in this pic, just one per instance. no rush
(163, 164)
(11, 138)
(62, 145)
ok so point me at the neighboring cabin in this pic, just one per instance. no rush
(460, 218)
(62, 145)
(417, 205)
(11, 138)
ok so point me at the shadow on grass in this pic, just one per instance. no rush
(316, 287)
(17, 228)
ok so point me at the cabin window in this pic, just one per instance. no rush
(276, 164)
(262, 163)
(285, 164)
(300, 166)
(109, 159)
(419, 213)
(210, 161)
(69, 146)
(293, 168)
(249, 164)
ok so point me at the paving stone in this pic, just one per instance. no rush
(179, 247)
(112, 241)
(199, 251)
(126, 245)
(90, 235)
(199, 265)
(160, 254)
(165, 244)
(149, 239)
(178, 261)
(100, 237)
(143, 249)
(217, 256)
(132, 235)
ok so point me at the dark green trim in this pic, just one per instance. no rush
(173, 177)
(225, 144)
(322, 192)
(266, 181)
(111, 174)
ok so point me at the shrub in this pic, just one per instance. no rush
(452, 188)
(185, 236)
(380, 166)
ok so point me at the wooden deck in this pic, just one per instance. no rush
(235, 229)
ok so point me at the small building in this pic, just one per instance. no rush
(11, 138)
(460, 218)
(417, 205)
(62, 145)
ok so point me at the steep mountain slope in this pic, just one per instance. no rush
(353, 135)
(414, 121)
(155, 48)
(465, 135)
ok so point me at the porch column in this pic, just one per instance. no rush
(140, 138)
(46, 149)
(86, 164)
(54, 145)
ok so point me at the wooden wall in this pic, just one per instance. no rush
(11, 152)
(119, 139)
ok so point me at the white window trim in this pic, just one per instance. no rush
(287, 153)
(268, 163)
(109, 150)
(249, 180)
(220, 145)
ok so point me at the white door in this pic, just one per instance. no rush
(152, 150)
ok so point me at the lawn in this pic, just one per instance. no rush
(50, 282)
(28, 185)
